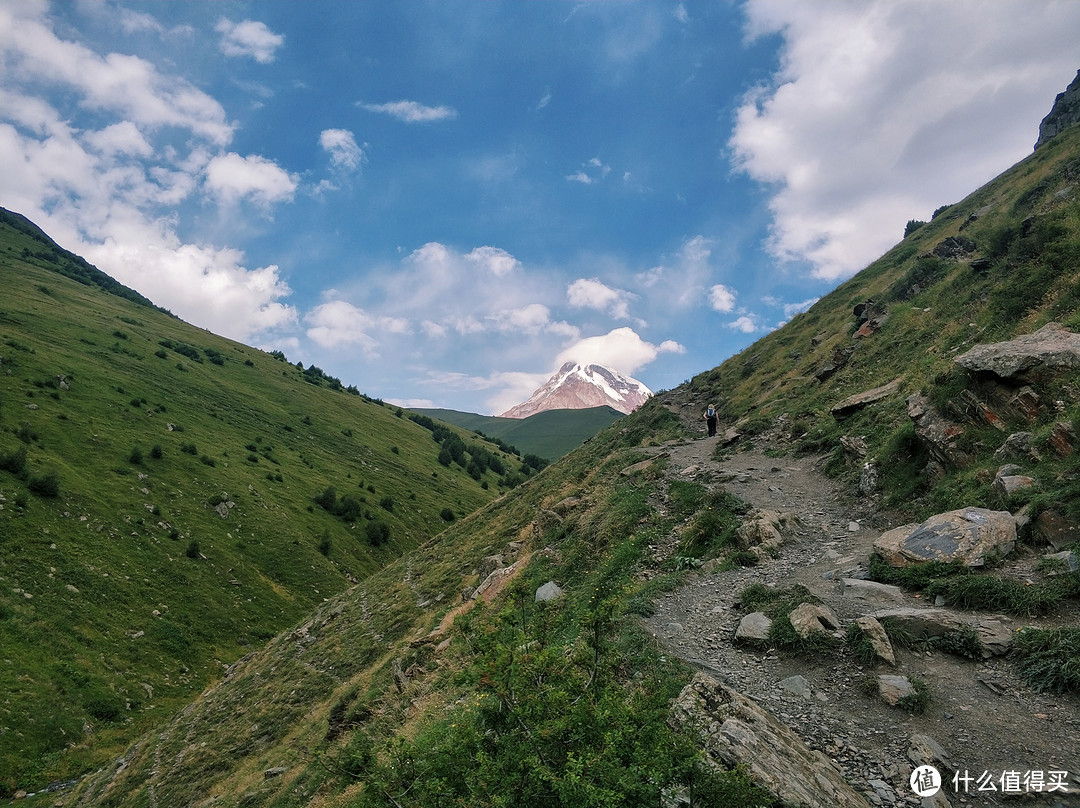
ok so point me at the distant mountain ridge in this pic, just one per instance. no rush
(575, 387)
(549, 434)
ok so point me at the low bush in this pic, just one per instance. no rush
(1049, 659)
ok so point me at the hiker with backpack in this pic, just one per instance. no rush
(710, 419)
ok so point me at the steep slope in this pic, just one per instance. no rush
(548, 434)
(158, 511)
(399, 692)
(403, 692)
(575, 386)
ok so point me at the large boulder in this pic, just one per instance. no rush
(1048, 352)
(968, 535)
(856, 402)
(734, 731)
(994, 634)
(813, 619)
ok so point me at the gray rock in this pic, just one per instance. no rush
(797, 685)
(1043, 354)
(547, 592)
(1016, 445)
(967, 535)
(1064, 113)
(754, 628)
(995, 634)
(732, 730)
(809, 619)
(894, 688)
(925, 751)
(1057, 529)
(872, 591)
(856, 402)
(935, 432)
(277, 771)
(879, 640)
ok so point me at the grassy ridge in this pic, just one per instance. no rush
(550, 434)
(157, 517)
(1020, 270)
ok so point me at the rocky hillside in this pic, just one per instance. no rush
(827, 565)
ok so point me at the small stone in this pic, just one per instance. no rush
(894, 688)
(754, 628)
(547, 592)
(797, 685)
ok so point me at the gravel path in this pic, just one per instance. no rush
(981, 712)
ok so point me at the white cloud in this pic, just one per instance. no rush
(682, 280)
(868, 121)
(494, 260)
(120, 138)
(206, 285)
(412, 111)
(248, 38)
(108, 190)
(620, 349)
(337, 324)
(590, 172)
(591, 293)
(126, 86)
(340, 144)
(745, 324)
(722, 299)
(230, 178)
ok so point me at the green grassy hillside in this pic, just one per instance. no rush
(549, 434)
(1015, 266)
(398, 692)
(159, 516)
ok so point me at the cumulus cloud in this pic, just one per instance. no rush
(494, 260)
(230, 178)
(337, 324)
(722, 299)
(248, 38)
(103, 177)
(412, 111)
(207, 285)
(592, 294)
(864, 124)
(126, 86)
(621, 349)
(745, 324)
(341, 145)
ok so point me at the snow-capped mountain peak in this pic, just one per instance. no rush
(577, 387)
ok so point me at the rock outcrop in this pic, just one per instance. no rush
(967, 535)
(1048, 352)
(1064, 113)
(732, 730)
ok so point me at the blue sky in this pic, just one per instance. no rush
(442, 202)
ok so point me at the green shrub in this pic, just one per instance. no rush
(47, 485)
(918, 701)
(193, 550)
(377, 533)
(446, 515)
(14, 462)
(1049, 659)
(157, 452)
(136, 456)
